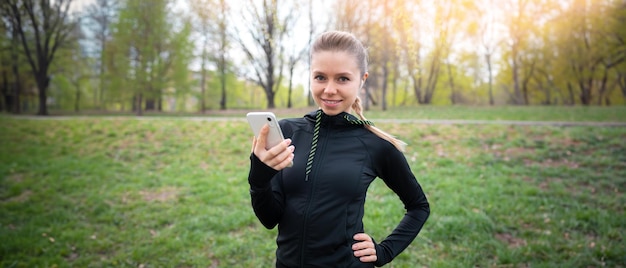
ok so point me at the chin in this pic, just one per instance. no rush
(331, 112)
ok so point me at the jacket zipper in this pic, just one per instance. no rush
(320, 149)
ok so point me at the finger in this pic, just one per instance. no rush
(253, 143)
(365, 250)
(363, 246)
(277, 157)
(366, 255)
(280, 155)
(370, 258)
(362, 237)
(279, 148)
(287, 162)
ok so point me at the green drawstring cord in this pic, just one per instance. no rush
(357, 121)
(316, 134)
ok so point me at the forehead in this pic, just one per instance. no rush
(334, 61)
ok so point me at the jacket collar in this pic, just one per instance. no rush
(341, 119)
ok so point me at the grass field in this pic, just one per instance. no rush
(170, 192)
(496, 113)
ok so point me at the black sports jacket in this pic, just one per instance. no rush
(318, 214)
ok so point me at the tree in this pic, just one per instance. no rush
(266, 29)
(211, 22)
(204, 18)
(488, 40)
(294, 58)
(74, 71)
(43, 27)
(100, 15)
(295, 52)
(424, 58)
(11, 62)
(224, 43)
(149, 54)
(592, 48)
(619, 35)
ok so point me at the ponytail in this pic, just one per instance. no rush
(358, 109)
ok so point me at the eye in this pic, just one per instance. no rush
(343, 79)
(319, 78)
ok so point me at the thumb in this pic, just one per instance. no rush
(261, 141)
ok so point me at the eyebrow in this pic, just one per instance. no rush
(338, 74)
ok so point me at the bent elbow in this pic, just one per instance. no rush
(269, 224)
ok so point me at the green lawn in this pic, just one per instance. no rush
(520, 113)
(170, 192)
(459, 112)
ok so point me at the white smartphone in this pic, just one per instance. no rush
(258, 119)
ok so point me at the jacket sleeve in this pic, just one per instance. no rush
(265, 187)
(265, 192)
(397, 175)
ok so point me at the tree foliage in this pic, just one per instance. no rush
(149, 56)
(42, 27)
(214, 54)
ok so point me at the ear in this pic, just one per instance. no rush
(365, 75)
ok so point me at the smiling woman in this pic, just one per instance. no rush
(335, 81)
(318, 203)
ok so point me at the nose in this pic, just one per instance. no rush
(331, 88)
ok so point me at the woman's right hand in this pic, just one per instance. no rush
(277, 157)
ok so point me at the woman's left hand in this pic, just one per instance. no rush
(365, 250)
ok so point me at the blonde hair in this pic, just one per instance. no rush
(358, 109)
(346, 42)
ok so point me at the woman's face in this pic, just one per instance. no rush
(335, 81)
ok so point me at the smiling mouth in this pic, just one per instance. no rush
(331, 101)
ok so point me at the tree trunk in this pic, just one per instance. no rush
(43, 107)
(417, 89)
(570, 89)
(621, 81)
(269, 93)
(269, 87)
(223, 47)
(42, 85)
(585, 94)
(406, 93)
(150, 104)
(489, 69)
(17, 90)
(5, 91)
(433, 77)
(223, 82)
(384, 86)
(138, 103)
(548, 95)
(290, 89)
(17, 85)
(603, 88)
(516, 87)
(203, 81)
(453, 94)
(77, 99)
(100, 99)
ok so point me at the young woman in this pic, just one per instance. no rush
(318, 203)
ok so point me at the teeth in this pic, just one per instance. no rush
(331, 101)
